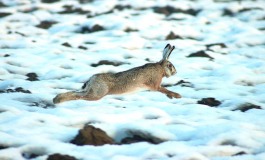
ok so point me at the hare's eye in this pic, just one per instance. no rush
(169, 65)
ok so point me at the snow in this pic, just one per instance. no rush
(32, 124)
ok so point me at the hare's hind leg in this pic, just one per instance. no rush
(95, 93)
(95, 89)
(68, 96)
(170, 94)
(92, 94)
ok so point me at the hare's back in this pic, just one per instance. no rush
(135, 79)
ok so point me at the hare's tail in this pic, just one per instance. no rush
(88, 83)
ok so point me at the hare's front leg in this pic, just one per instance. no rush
(170, 94)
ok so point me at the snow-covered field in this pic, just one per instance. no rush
(51, 48)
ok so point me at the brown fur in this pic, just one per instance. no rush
(146, 77)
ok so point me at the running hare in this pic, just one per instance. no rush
(146, 77)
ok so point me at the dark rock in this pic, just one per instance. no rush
(24, 91)
(222, 45)
(66, 44)
(3, 147)
(191, 11)
(49, 1)
(229, 142)
(4, 14)
(129, 57)
(148, 59)
(32, 77)
(228, 12)
(46, 24)
(152, 117)
(130, 30)
(212, 102)
(19, 33)
(90, 135)
(58, 156)
(42, 104)
(30, 155)
(170, 155)
(90, 42)
(99, 14)
(139, 136)
(122, 7)
(2, 5)
(249, 9)
(167, 10)
(82, 47)
(71, 9)
(247, 106)
(9, 91)
(182, 83)
(86, 29)
(200, 54)
(209, 47)
(96, 28)
(106, 62)
(239, 153)
(135, 139)
(85, 1)
(172, 36)
(6, 55)
(18, 89)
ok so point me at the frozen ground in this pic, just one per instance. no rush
(62, 43)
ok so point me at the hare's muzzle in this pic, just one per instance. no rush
(173, 70)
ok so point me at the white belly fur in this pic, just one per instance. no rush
(138, 89)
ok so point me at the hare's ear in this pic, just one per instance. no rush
(166, 51)
(172, 48)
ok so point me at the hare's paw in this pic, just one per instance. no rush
(176, 95)
(169, 96)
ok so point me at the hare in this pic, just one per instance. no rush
(146, 77)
